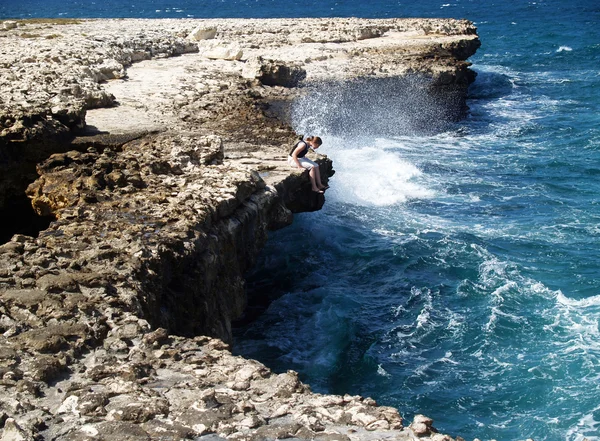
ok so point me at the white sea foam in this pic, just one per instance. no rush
(373, 176)
(423, 318)
(447, 359)
(587, 428)
(564, 49)
(582, 303)
(381, 371)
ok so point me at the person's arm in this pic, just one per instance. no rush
(297, 150)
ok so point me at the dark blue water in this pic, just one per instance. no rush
(455, 271)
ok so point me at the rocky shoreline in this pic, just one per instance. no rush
(156, 150)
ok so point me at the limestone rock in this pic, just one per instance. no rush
(273, 72)
(203, 33)
(422, 425)
(9, 24)
(159, 205)
(220, 50)
(13, 432)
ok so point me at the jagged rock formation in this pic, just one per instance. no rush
(163, 179)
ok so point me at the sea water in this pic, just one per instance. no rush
(455, 272)
(455, 267)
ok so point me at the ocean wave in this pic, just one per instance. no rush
(587, 428)
(590, 302)
(372, 176)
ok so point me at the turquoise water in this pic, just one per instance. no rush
(455, 268)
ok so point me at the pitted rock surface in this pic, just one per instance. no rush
(159, 147)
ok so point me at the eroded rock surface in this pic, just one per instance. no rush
(164, 178)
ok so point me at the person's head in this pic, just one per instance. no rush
(314, 141)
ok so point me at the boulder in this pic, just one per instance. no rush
(9, 24)
(203, 33)
(422, 426)
(219, 50)
(13, 432)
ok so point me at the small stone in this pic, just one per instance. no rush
(155, 337)
(69, 405)
(9, 24)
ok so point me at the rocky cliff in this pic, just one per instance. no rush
(156, 152)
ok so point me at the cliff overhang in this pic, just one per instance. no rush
(164, 175)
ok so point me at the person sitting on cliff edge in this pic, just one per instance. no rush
(297, 158)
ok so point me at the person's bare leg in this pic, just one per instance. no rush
(318, 178)
(313, 179)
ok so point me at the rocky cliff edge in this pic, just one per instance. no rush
(155, 148)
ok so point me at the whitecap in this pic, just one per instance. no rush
(447, 359)
(373, 176)
(564, 49)
(583, 303)
(586, 429)
(491, 323)
(381, 371)
(423, 318)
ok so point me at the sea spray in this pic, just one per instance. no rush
(377, 107)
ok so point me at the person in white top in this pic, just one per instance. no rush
(297, 158)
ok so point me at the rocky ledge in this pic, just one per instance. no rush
(160, 181)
